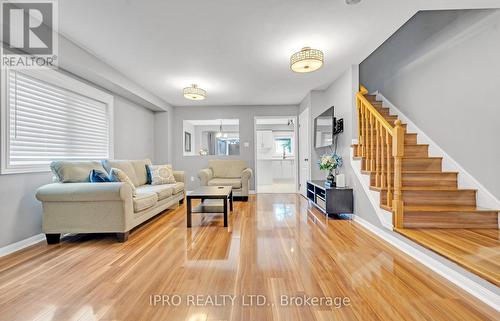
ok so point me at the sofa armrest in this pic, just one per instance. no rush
(84, 192)
(246, 173)
(205, 175)
(180, 176)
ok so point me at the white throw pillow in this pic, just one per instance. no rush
(161, 174)
(117, 175)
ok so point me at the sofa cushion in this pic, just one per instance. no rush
(117, 175)
(227, 168)
(135, 169)
(160, 174)
(233, 182)
(144, 201)
(74, 171)
(177, 187)
(163, 191)
(124, 166)
(140, 170)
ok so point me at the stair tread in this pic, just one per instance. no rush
(448, 208)
(429, 172)
(476, 250)
(429, 188)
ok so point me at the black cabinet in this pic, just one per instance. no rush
(330, 200)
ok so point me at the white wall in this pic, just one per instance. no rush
(441, 69)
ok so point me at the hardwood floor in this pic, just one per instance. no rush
(477, 250)
(275, 246)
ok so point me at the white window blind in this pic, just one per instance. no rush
(47, 122)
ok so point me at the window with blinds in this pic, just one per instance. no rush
(47, 122)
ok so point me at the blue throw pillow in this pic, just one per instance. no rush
(148, 175)
(98, 177)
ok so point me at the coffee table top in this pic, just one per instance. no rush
(211, 192)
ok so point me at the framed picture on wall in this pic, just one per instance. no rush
(187, 142)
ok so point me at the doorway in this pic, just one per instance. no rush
(275, 154)
(304, 152)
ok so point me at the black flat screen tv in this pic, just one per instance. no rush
(326, 126)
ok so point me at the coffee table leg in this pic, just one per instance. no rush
(225, 212)
(231, 201)
(188, 211)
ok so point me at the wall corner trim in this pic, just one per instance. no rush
(14, 247)
(465, 283)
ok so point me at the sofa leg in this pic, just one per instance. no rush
(181, 202)
(122, 237)
(53, 238)
(245, 198)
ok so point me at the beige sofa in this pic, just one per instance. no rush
(234, 173)
(74, 205)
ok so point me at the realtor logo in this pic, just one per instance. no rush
(29, 34)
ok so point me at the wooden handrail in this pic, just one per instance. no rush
(378, 143)
(374, 111)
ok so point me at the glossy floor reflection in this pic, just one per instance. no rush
(270, 264)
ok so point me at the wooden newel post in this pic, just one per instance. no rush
(398, 146)
(360, 136)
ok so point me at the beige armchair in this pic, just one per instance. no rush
(234, 173)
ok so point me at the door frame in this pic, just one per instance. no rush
(296, 148)
(308, 149)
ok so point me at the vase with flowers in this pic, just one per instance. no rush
(330, 163)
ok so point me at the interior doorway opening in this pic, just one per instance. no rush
(275, 154)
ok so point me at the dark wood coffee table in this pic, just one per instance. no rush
(224, 193)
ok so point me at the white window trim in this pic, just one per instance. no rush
(58, 79)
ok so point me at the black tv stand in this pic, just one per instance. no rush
(330, 200)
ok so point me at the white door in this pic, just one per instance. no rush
(304, 151)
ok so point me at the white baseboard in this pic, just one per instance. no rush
(252, 192)
(14, 247)
(470, 286)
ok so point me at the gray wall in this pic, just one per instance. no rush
(341, 94)
(134, 126)
(246, 114)
(442, 70)
(21, 213)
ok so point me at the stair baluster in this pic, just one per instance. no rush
(389, 176)
(398, 146)
(383, 133)
(377, 153)
(372, 143)
(368, 133)
(361, 134)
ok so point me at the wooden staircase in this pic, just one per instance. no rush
(416, 190)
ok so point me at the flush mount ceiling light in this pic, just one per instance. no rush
(306, 60)
(194, 93)
(351, 2)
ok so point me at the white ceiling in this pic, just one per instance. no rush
(209, 122)
(238, 50)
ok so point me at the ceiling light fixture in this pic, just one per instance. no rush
(194, 93)
(220, 133)
(306, 60)
(351, 2)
